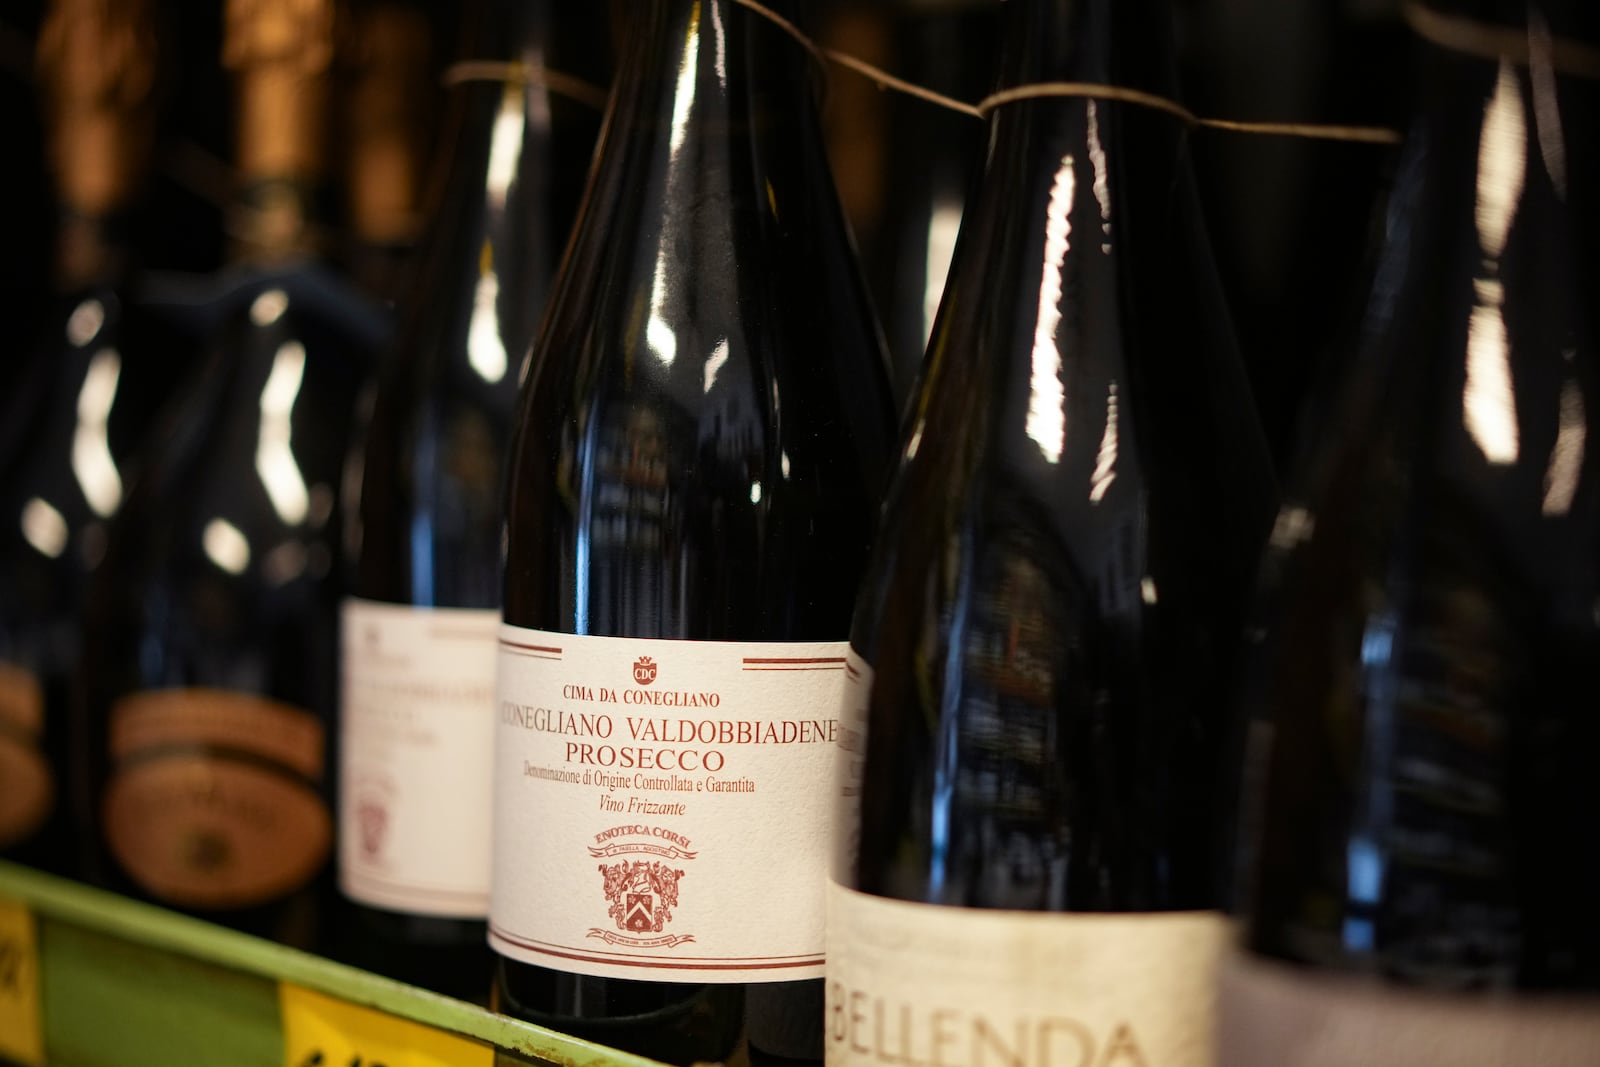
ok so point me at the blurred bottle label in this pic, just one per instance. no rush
(962, 987)
(27, 789)
(417, 755)
(1274, 1014)
(662, 807)
(213, 800)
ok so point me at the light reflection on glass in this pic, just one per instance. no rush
(84, 322)
(44, 528)
(719, 356)
(1546, 105)
(1102, 179)
(913, 445)
(275, 462)
(486, 352)
(92, 462)
(1566, 458)
(1488, 401)
(1365, 878)
(755, 492)
(505, 144)
(1105, 464)
(1047, 400)
(944, 224)
(719, 37)
(225, 546)
(1147, 590)
(285, 563)
(657, 333)
(269, 307)
(1293, 525)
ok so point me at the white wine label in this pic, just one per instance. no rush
(213, 796)
(1273, 1014)
(932, 986)
(417, 757)
(662, 807)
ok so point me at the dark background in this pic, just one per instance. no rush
(1292, 219)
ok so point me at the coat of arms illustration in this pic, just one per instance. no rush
(641, 893)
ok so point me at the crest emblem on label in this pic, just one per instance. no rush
(373, 817)
(644, 670)
(640, 896)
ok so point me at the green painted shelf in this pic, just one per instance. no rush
(125, 984)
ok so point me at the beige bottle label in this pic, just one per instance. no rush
(27, 788)
(212, 801)
(850, 764)
(1273, 1014)
(918, 985)
(662, 807)
(417, 756)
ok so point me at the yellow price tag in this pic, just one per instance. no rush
(322, 1031)
(21, 1033)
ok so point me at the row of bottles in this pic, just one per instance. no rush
(621, 629)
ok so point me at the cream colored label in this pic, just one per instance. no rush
(208, 804)
(662, 807)
(27, 788)
(918, 985)
(417, 752)
(1273, 1014)
(850, 764)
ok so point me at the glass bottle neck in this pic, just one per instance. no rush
(708, 57)
(90, 249)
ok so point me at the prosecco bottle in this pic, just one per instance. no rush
(211, 670)
(1418, 888)
(695, 472)
(1029, 793)
(86, 400)
(418, 659)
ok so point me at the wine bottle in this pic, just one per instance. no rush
(85, 404)
(1026, 862)
(211, 643)
(417, 712)
(1420, 780)
(950, 47)
(695, 471)
(388, 90)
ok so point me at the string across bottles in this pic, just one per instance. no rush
(1531, 46)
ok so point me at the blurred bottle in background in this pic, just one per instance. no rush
(389, 88)
(24, 194)
(88, 395)
(211, 676)
(1295, 218)
(417, 699)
